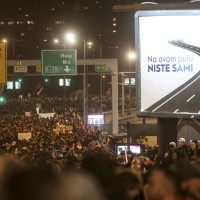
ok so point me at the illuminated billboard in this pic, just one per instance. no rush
(96, 120)
(167, 45)
(136, 149)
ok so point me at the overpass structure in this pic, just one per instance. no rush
(111, 63)
(157, 6)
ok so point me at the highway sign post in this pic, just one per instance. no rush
(102, 68)
(3, 69)
(59, 62)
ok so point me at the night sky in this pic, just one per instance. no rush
(82, 16)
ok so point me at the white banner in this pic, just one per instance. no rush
(24, 136)
(20, 69)
(45, 115)
(27, 114)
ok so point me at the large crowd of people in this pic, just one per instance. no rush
(57, 157)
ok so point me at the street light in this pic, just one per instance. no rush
(56, 41)
(13, 41)
(89, 44)
(70, 37)
(131, 55)
(101, 88)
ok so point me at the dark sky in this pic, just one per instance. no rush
(89, 24)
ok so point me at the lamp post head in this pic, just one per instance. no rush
(131, 55)
(70, 37)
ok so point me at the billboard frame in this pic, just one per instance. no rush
(152, 13)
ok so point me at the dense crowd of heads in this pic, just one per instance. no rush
(64, 160)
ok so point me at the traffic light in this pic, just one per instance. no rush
(46, 80)
(2, 100)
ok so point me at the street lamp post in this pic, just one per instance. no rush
(84, 88)
(70, 39)
(85, 85)
(129, 95)
(122, 95)
(131, 56)
(101, 91)
(13, 46)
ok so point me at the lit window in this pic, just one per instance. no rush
(61, 82)
(114, 31)
(17, 85)
(67, 82)
(114, 24)
(114, 19)
(19, 22)
(49, 28)
(30, 22)
(10, 23)
(2, 23)
(129, 81)
(10, 85)
(30, 28)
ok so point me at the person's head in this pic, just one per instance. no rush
(181, 154)
(172, 154)
(196, 142)
(79, 185)
(137, 164)
(163, 184)
(101, 166)
(190, 180)
(128, 185)
(31, 183)
(181, 142)
(172, 145)
(159, 158)
(192, 145)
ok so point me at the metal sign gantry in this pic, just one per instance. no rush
(111, 63)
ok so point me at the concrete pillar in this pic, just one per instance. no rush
(167, 132)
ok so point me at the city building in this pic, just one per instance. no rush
(30, 26)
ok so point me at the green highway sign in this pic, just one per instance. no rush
(59, 62)
(102, 68)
